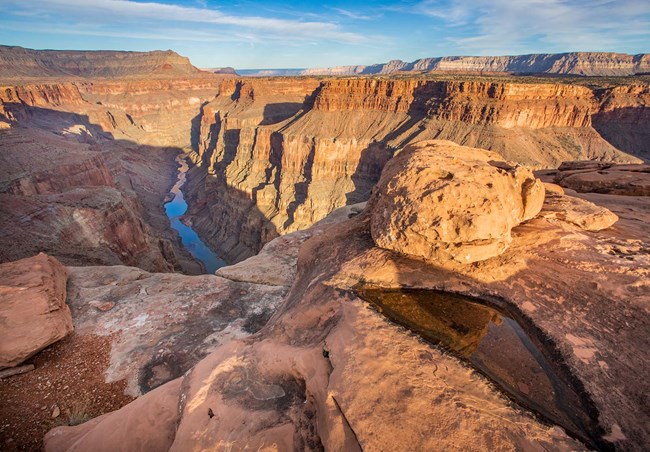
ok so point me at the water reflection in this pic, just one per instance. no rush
(498, 347)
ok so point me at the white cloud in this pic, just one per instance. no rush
(354, 15)
(515, 26)
(117, 10)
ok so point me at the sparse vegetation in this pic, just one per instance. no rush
(79, 413)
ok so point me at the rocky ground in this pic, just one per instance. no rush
(327, 371)
(67, 387)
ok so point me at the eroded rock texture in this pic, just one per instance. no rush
(327, 371)
(33, 309)
(21, 63)
(280, 154)
(443, 202)
(84, 179)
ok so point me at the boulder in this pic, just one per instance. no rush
(447, 203)
(578, 212)
(33, 311)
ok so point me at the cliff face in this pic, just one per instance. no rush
(84, 178)
(281, 154)
(575, 63)
(60, 197)
(276, 155)
(18, 62)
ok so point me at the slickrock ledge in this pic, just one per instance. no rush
(604, 177)
(328, 372)
(33, 311)
(443, 202)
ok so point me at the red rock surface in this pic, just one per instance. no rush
(69, 377)
(326, 371)
(33, 309)
(443, 202)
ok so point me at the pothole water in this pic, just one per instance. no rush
(525, 366)
(175, 209)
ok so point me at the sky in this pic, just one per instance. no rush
(272, 34)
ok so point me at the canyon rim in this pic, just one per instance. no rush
(451, 253)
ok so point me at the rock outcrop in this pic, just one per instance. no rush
(33, 309)
(182, 318)
(327, 372)
(84, 179)
(445, 203)
(603, 177)
(574, 63)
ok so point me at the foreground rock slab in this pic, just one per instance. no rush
(444, 202)
(33, 311)
(325, 372)
(329, 372)
(603, 177)
(162, 324)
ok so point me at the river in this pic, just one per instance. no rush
(175, 209)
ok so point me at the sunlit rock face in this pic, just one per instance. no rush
(574, 63)
(279, 154)
(443, 202)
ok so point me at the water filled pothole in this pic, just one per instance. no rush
(525, 366)
(175, 209)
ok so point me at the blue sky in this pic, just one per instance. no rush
(273, 34)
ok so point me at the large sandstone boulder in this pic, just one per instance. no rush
(33, 312)
(448, 203)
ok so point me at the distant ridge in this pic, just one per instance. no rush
(221, 70)
(19, 62)
(574, 63)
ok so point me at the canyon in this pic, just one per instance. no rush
(282, 347)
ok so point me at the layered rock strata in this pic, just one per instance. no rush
(574, 63)
(85, 179)
(19, 62)
(280, 154)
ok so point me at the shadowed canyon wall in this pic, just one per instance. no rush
(84, 179)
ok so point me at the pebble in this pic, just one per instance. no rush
(56, 412)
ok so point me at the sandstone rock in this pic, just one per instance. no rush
(20, 62)
(281, 154)
(33, 311)
(443, 202)
(608, 178)
(579, 212)
(275, 264)
(323, 374)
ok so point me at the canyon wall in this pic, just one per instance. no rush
(19, 62)
(86, 166)
(574, 63)
(276, 155)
